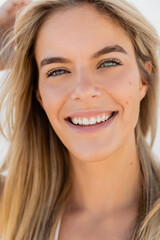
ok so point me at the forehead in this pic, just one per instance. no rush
(81, 30)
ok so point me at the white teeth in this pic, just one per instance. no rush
(91, 121)
(85, 121)
(80, 121)
(75, 121)
(107, 116)
(103, 118)
(99, 119)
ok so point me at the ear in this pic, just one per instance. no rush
(38, 96)
(143, 85)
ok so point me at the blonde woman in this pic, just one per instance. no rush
(80, 99)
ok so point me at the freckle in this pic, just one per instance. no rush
(126, 102)
(130, 83)
(131, 163)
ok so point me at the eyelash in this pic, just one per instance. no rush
(113, 63)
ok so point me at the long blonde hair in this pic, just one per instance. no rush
(38, 182)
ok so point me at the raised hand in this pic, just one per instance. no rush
(8, 12)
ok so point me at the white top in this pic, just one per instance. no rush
(57, 230)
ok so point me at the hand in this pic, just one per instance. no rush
(8, 12)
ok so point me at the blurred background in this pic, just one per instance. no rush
(151, 10)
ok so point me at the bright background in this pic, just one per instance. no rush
(151, 10)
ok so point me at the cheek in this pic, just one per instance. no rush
(124, 85)
(53, 98)
(124, 89)
(122, 81)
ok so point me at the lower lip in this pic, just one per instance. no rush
(92, 128)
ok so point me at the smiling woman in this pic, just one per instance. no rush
(80, 99)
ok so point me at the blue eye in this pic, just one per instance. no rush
(110, 63)
(56, 72)
(105, 63)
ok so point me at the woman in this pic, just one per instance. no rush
(80, 99)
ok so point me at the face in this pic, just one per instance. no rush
(89, 82)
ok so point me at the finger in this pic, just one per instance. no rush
(21, 2)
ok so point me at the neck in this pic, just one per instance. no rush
(107, 186)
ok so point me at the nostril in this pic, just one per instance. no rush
(85, 97)
(85, 92)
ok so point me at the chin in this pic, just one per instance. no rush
(90, 157)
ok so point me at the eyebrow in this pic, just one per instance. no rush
(105, 50)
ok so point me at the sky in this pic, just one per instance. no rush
(151, 10)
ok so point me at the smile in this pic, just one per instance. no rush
(91, 121)
(92, 124)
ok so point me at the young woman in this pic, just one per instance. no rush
(80, 99)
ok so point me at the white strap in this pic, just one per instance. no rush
(57, 230)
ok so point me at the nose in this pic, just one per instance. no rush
(86, 89)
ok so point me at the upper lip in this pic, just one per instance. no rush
(88, 114)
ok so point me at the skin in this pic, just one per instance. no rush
(105, 166)
(8, 11)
